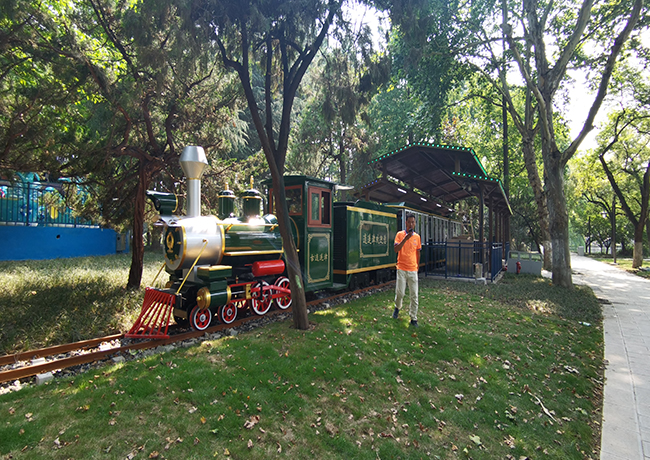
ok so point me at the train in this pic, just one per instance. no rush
(228, 266)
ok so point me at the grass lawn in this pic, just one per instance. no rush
(625, 264)
(49, 302)
(507, 371)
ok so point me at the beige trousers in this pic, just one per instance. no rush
(410, 278)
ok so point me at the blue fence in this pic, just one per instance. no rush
(36, 224)
(35, 203)
(458, 259)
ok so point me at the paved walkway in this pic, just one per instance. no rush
(626, 412)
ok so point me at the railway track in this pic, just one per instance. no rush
(35, 362)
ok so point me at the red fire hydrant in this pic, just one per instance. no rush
(518, 267)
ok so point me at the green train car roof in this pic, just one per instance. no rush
(295, 180)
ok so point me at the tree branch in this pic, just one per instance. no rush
(604, 81)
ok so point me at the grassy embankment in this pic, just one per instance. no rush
(503, 371)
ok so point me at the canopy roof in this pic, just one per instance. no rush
(434, 171)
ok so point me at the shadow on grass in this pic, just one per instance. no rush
(40, 316)
(65, 300)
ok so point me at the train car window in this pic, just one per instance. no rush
(294, 200)
(293, 194)
(320, 207)
(325, 207)
(315, 206)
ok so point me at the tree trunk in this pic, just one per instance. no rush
(540, 200)
(637, 258)
(647, 229)
(137, 247)
(294, 272)
(559, 225)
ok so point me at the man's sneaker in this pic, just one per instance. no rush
(396, 313)
(414, 322)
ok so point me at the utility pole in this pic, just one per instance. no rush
(614, 229)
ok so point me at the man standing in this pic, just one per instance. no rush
(407, 246)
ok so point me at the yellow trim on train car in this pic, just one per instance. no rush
(359, 270)
(370, 211)
(251, 253)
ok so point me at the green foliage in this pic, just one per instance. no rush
(332, 139)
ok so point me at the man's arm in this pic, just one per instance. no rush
(398, 247)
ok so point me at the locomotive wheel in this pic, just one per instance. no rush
(261, 301)
(200, 318)
(227, 313)
(283, 302)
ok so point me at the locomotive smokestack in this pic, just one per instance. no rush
(193, 162)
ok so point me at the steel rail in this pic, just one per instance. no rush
(92, 356)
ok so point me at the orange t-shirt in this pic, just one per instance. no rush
(407, 256)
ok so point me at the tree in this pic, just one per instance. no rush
(569, 27)
(39, 91)
(142, 90)
(282, 38)
(547, 39)
(625, 158)
(332, 135)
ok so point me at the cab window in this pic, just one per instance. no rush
(294, 200)
(320, 205)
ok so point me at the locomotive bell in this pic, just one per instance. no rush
(226, 203)
(193, 161)
(251, 202)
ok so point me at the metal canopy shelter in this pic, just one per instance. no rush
(432, 172)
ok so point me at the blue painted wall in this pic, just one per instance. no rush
(37, 243)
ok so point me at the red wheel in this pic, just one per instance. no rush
(228, 313)
(261, 298)
(283, 302)
(200, 318)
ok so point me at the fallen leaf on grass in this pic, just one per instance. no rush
(154, 454)
(254, 420)
(249, 444)
(476, 440)
(331, 429)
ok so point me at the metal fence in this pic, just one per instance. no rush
(36, 203)
(459, 259)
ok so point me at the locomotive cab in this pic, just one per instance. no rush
(309, 202)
